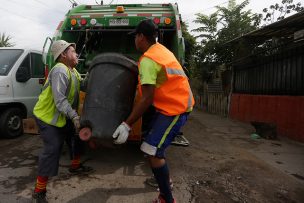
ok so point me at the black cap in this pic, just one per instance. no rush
(147, 27)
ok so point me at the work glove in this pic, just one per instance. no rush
(76, 122)
(121, 133)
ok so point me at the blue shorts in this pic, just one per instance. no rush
(162, 130)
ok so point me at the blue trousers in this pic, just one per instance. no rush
(53, 139)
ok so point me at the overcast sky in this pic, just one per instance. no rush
(29, 22)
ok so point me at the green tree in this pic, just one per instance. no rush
(278, 12)
(208, 29)
(5, 41)
(219, 28)
(235, 22)
(207, 36)
(190, 47)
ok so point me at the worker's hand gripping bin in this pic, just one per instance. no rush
(110, 95)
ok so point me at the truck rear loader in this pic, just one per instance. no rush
(107, 52)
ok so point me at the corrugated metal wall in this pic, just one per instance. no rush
(279, 74)
(271, 89)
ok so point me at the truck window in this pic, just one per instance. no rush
(37, 67)
(26, 63)
(8, 57)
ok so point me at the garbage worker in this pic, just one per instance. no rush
(57, 117)
(164, 85)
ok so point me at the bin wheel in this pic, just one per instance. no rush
(85, 134)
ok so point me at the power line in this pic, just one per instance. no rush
(41, 3)
(78, 3)
(24, 17)
(18, 15)
(206, 9)
(215, 6)
(18, 3)
(47, 6)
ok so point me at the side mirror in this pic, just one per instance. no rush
(22, 74)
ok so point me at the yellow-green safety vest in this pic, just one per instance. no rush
(45, 109)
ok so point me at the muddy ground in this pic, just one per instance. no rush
(222, 164)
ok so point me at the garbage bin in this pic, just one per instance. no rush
(110, 93)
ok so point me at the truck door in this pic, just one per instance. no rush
(27, 92)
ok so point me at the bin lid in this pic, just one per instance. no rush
(114, 58)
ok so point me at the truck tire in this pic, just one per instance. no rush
(11, 123)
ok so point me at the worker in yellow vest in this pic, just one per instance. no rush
(57, 117)
(164, 85)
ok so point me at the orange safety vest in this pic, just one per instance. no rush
(174, 96)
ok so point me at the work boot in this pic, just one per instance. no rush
(39, 197)
(180, 140)
(81, 169)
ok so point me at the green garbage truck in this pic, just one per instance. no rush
(99, 29)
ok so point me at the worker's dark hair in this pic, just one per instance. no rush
(151, 39)
(148, 28)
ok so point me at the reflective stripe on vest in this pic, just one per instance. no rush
(173, 71)
(174, 96)
(57, 113)
(45, 109)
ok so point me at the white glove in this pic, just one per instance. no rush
(121, 133)
(76, 122)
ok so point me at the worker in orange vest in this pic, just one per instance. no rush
(164, 85)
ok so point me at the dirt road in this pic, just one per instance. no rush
(222, 164)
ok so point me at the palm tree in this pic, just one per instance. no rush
(5, 41)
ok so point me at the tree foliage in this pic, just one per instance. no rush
(5, 40)
(209, 26)
(217, 29)
(190, 47)
(278, 12)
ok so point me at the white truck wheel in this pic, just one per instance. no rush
(11, 123)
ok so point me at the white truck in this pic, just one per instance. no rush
(21, 81)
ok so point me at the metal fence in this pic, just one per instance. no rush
(217, 100)
(218, 103)
(278, 74)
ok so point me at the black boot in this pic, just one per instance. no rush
(39, 197)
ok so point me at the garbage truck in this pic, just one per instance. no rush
(107, 53)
